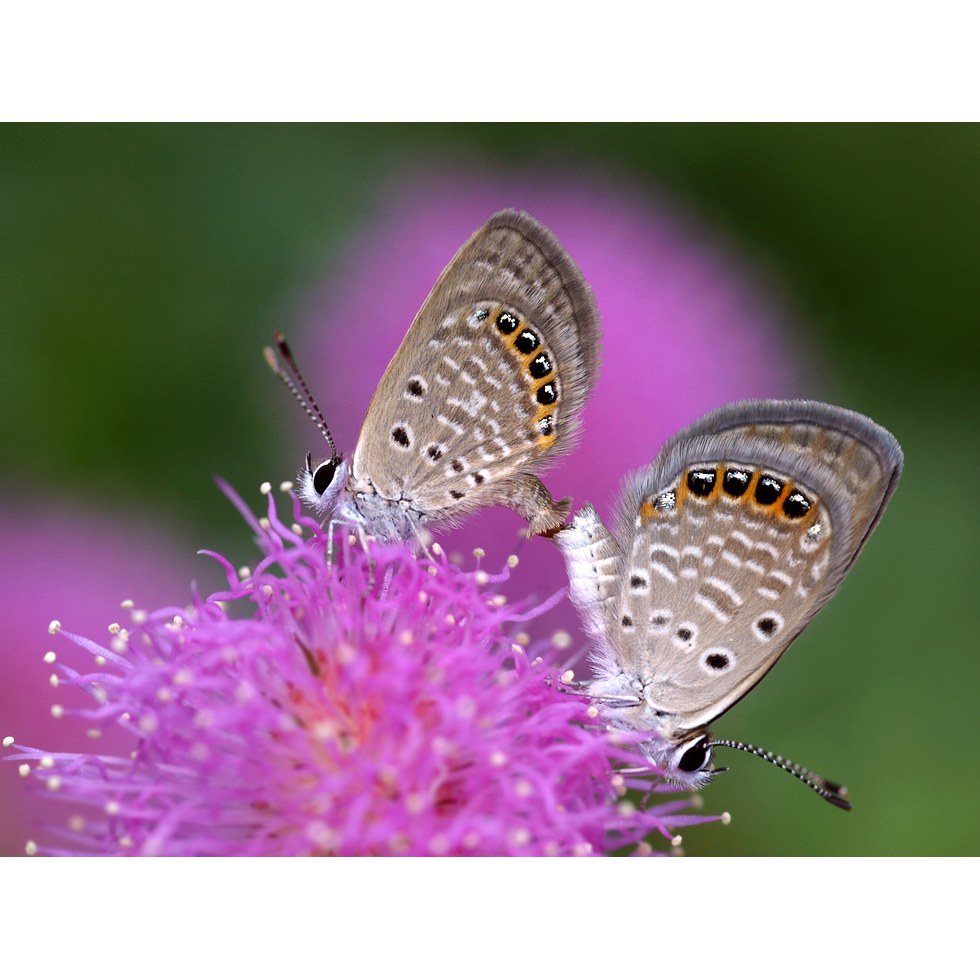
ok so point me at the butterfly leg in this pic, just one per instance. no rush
(546, 516)
(331, 525)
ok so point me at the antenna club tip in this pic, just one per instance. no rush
(271, 359)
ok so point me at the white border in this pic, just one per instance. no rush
(522, 60)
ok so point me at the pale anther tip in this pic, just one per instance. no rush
(54, 627)
(562, 640)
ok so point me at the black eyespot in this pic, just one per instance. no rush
(323, 476)
(546, 425)
(507, 323)
(457, 466)
(795, 505)
(766, 625)
(457, 494)
(716, 661)
(626, 621)
(684, 634)
(478, 478)
(767, 490)
(527, 341)
(400, 436)
(415, 388)
(696, 757)
(637, 582)
(736, 482)
(540, 366)
(701, 482)
(434, 451)
(547, 393)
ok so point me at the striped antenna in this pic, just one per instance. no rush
(831, 792)
(299, 388)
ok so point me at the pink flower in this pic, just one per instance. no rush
(374, 704)
(687, 325)
(76, 563)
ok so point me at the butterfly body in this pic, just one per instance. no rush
(726, 547)
(485, 391)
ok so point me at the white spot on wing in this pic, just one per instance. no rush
(706, 603)
(722, 586)
(450, 424)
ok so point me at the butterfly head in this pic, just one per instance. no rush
(690, 763)
(321, 483)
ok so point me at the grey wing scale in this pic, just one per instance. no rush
(489, 383)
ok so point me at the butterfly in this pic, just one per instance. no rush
(485, 391)
(726, 546)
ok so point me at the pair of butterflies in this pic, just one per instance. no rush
(726, 546)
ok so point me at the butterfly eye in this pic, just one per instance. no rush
(695, 756)
(323, 475)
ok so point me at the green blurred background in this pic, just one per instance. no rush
(142, 268)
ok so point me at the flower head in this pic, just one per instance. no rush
(62, 559)
(368, 702)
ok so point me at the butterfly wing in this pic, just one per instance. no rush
(733, 539)
(488, 385)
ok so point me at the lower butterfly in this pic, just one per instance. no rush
(726, 546)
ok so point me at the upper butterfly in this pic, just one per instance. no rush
(727, 546)
(484, 392)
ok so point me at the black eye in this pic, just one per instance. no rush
(323, 476)
(696, 757)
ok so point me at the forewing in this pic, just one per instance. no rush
(735, 537)
(488, 385)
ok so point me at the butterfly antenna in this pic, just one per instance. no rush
(301, 393)
(831, 792)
